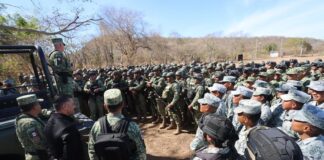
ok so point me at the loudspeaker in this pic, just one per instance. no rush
(240, 57)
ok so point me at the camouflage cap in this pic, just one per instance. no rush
(271, 71)
(296, 95)
(248, 106)
(261, 91)
(260, 83)
(210, 99)
(28, 99)
(250, 79)
(317, 85)
(294, 83)
(310, 114)
(231, 79)
(113, 97)
(285, 87)
(263, 74)
(241, 90)
(57, 40)
(170, 74)
(217, 87)
(292, 71)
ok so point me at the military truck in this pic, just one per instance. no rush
(41, 85)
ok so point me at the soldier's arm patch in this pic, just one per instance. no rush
(34, 135)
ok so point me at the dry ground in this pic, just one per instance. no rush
(161, 144)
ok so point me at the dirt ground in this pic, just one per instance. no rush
(161, 144)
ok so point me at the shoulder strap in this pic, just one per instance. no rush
(120, 127)
(104, 125)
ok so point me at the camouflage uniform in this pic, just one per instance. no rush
(158, 83)
(171, 95)
(62, 69)
(286, 124)
(312, 148)
(138, 89)
(133, 132)
(30, 133)
(199, 93)
(95, 100)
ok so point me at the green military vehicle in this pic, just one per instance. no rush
(41, 85)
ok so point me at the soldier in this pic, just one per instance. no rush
(317, 91)
(113, 104)
(309, 124)
(292, 102)
(208, 106)
(171, 95)
(61, 67)
(263, 95)
(158, 84)
(229, 82)
(94, 88)
(80, 94)
(248, 114)
(194, 94)
(30, 128)
(138, 93)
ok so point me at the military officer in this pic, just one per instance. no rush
(62, 68)
(30, 129)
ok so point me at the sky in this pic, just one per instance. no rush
(198, 18)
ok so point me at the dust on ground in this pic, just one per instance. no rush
(162, 144)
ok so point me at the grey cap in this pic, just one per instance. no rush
(261, 91)
(294, 83)
(28, 99)
(217, 87)
(231, 79)
(285, 87)
(210, 99)
(248, 106)
(296, 95)
(312, 115)
(260, 83)
(246, 92)
(317, 85)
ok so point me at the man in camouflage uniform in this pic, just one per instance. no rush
(61, 67)
(30, 129)
(158, 84)
(113, 104)
(171, 95)
(194, 94)
(94, 88)
(138, 95)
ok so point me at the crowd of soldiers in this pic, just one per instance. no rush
(178, 96)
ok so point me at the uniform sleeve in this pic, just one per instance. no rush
(265, 114)
(134, 133)
(161, 84)
(198, 142)
(176, 93)
(35, 133)
(140, 86)
(102, 86)
(95, 130)
(199, 94)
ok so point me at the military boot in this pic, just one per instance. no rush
(158, 120)
(171, 126)
(163, 125)
(178, 130)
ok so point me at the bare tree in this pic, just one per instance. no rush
(127, 29)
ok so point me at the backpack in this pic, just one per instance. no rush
(114, 143)
(266, 143)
